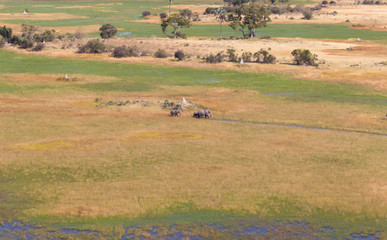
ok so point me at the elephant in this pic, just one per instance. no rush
(175, 113)
(209, 113)
(195, 115)
(202, 113)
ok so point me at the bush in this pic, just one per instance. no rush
(160, 54)
(146, 13)
(79, 34)
(26, 43)
(210, 10)
(246, 56)
(186, 13)
(6, 33)
(16, 40)
(263, 56)
(308, 14)
(2, 42)
(231, 55)
(163, 15)
(107, 31)
(324, 2)
(39, 47)
(304, 57)
(218, 58)
(120, 52)
(181, 35)
(133, 52)
(92, 46)
(180, 55)
(332, 2)
(47, 36)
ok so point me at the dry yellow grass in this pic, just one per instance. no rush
(39, 16)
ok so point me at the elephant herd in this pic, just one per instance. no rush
(199, 114)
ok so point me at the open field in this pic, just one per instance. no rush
(292, 152)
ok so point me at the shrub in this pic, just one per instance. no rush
(265, 37)
(231, 55)
(92, 46)
(308, 14)
(246, 56)
(133, 51)
(107, 31)
(304, 57)
(210, 10)
(186, 13)
(146, 13)
(324, 2)
(163, 15)
(5, 32)
(26, 43)
(263, 56)
(180, 55)
(2, 42)
(79, 34)
(16, 40)
(332, 2)
(160, 54)
(38, 47)
(181, 35)
(120, 52)
(217, 58)
(46, 36)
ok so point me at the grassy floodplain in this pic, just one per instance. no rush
(67, 161)
(279, 149)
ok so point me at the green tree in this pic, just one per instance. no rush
(304, 57)
(6, 33)
(108, 31)
(221, 16)
(177, 22)
(249, 17)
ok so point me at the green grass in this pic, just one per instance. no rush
(135, 78)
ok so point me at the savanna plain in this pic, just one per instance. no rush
(88, 149)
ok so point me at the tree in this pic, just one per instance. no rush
(221, 16)
(177, 22)
(108, 31)
(236, 2)
(250, 16)
(6, 33)
(170, 2)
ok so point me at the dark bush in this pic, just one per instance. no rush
(180, 55)
(46, 36)
(246, 56)
(163, 15)
(39, 47)
(265, 37)
(332, 2)
(92, 46)
(304, 57)
(186, 13)
(26, 43)
(210, 10)
(146, 13)
(181, 35)
(324, 2)
(161, 54)
(263, 56)
(2, 42)
(120, 52)
(16, 40)
(6, 33)
(215, 58)
(231, 55)
(308, 14)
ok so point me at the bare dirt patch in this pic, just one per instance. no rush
(39, 16)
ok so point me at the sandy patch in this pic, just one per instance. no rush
(39, 16)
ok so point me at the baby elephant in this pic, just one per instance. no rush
(175, 113)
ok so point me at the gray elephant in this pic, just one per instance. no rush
(209, 113)
(175, 113)
(195, 115)
(202, 113)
